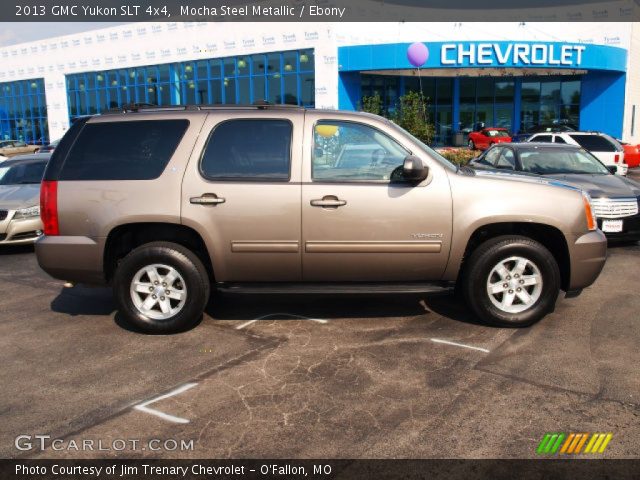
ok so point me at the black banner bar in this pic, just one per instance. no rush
(319, 10)
(542, 468)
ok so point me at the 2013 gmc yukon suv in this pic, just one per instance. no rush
(166, 203)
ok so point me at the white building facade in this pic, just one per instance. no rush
(516, 75)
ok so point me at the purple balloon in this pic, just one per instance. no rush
(417, 53)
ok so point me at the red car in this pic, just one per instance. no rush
(484, 138)
(631, 154)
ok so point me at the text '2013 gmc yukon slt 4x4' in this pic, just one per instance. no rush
(166, 203)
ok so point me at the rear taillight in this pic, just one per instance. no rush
(616, 158)
(49, 207)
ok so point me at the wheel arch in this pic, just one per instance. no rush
(124, 238)
(549, 236)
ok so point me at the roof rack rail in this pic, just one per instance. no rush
(148, 107)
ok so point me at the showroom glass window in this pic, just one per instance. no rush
(278, 77)
(437, 92)
(486, 100)
(550, 101)
(23, 111)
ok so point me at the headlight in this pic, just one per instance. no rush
(589, 212)
(28, 212)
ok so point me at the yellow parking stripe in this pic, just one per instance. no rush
(596, 445)
(591, 442)
(606, 441)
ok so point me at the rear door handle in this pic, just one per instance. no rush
(207, 199)
(328, 201)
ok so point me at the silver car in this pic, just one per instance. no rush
(20, 199)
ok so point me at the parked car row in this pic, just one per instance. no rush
(604, 147)
(614, 198)
(631, 154)
(20, 179)
(11, 148)
(609, 151)
(544, 128)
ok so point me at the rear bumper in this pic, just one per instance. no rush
(20, 232)
(588, 255)
(73, 259)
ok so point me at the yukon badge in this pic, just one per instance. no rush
(426, 235)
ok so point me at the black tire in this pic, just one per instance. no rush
(472, 146)
(188, 266)
(477, 272)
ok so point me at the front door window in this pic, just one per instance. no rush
(353, 152)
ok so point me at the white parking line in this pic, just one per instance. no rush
(143, 406)
(471, 347)
(292, 315)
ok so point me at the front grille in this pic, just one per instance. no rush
(615, 208)
(3, 214)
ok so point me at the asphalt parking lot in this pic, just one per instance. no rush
(401, 376)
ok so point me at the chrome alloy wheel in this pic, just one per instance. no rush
(514, 284)
(158, 291)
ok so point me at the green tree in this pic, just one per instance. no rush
(413, 116)
(372, 104)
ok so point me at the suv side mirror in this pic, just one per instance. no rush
(612, 168)
(414, 170)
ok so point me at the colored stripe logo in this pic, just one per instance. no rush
(573, 443)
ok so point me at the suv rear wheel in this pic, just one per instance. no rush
(511, 281)
(161, 287)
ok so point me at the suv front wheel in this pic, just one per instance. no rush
(511, 281)
(161, 287)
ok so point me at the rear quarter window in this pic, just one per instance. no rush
(594, 143)
(132, 150)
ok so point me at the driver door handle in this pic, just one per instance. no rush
(207, 199)
(328, 201)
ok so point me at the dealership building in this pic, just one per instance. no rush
(512, 75)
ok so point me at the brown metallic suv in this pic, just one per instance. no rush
(164, 203)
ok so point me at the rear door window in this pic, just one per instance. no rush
(542, 138)
(246, 149)
(135, 150)
(594, 143)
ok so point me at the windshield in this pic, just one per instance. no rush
(497, 133)
(552, 161)
(22, 174)
(431, 152)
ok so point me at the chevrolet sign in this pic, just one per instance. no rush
(512, 54)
